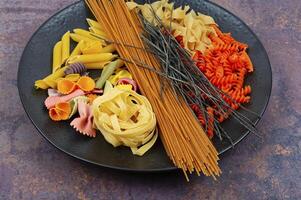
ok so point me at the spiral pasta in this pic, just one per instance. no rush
(226, 64)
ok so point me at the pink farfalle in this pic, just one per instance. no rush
(52, 100)
(84, 123)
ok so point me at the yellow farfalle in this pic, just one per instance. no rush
(195, 28)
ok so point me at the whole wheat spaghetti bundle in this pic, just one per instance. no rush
(184, 139)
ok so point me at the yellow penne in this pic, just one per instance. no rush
(91, 58)
(77, 50)
(49, 81)
(92, 48)
(98, 32)
(99, 65)
(92, 29)
(93, 23)
(108, 49)
(77, 38)
(41, 84)
(59, 73)
(91, 51)
(86, 34)
(65, 46)
(57, 56)
(93, 44)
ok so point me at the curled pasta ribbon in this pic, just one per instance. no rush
(125, 118)
(119, 75)
(84, 123)
(66, 86)
(61, 111)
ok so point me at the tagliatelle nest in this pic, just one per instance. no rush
(126, 118)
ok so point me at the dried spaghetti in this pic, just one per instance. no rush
(184, 139)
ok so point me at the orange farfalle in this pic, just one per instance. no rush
(54, 115)
(66, 86)
(84, 83)
(61, 111)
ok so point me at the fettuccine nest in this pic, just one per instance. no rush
(125, 118)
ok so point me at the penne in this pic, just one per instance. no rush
(93, 44)
(92, 48)
(97, 32)
(50, 80)
(108, 49)
(99, 65)
(91, 51)
(94, 30)
(95, 48)
(65, 46)
(57, 56)
(91, 58)
(78, 49)
(58, 74)
(86, 34)
(95, 24)
(77, 38)
(42, 84)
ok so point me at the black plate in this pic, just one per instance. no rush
(36, 63)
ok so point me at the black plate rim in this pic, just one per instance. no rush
(166, 169)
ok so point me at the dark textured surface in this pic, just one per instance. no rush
(30, 168)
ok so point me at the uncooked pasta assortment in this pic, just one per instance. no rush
(109, 103)
(162, 72)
